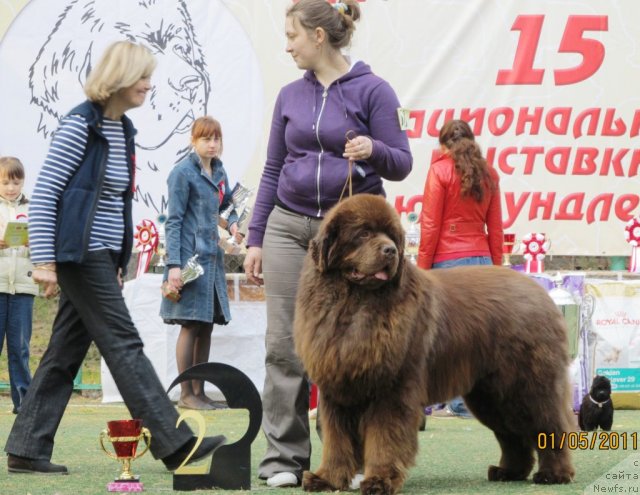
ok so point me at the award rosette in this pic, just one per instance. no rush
(191, 271)
(632, 236)
(124, 436)
(534, 247)
(146, 236)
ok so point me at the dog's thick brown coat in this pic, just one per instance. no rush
(382, 339)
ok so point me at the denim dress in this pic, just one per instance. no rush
(195, 201)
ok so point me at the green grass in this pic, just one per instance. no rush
(453, 458)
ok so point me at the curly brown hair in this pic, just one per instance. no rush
(458, 138)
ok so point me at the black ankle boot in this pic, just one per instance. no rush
(17, 464)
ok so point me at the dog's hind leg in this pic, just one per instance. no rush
(554, 466)
(554, 461)
(516, 461)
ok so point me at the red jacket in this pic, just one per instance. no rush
(453, 226)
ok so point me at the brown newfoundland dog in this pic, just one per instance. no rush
(382, 339)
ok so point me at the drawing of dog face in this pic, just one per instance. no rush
(181, 85)
(204, 55)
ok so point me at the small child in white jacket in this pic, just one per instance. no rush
(17, 289)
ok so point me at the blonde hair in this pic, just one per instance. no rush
(337, 20)
(207, 127)
(11, 168)
(121, 66)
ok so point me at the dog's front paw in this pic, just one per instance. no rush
(549, 478)
(314, 483)
(376, 486)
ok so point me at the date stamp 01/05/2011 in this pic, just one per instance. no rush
(584, 440)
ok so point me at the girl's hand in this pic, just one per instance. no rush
(233, 230)
(253, 265)
(174, 280)
(358, 148)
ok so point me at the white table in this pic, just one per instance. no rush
(240, 343)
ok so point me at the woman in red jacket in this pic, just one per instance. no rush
(461, 220)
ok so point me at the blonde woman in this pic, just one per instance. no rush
(80, 234)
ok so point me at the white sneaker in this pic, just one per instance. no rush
(356, 480)
(283, 480)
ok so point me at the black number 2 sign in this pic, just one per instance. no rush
(230, 466)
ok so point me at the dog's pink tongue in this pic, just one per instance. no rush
(382, 275)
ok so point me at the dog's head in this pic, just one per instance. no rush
(362, 239)
(600, 388)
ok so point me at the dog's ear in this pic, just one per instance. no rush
(322, 247)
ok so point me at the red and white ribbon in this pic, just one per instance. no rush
(632, 236)
(146, 236)
(534, 247)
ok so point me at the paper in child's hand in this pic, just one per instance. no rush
(16, 234)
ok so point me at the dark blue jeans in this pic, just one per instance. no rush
(92, 309)
(16, 314)
(457, 404)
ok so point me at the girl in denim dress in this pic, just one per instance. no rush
(198, 191)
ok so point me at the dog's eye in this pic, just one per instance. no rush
(365, 234)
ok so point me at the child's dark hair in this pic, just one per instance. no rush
(458, 138)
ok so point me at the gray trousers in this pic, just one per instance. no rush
(285, 400)
(92, 309)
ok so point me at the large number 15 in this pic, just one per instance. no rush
(573, 41)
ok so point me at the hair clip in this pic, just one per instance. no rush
(342, 7)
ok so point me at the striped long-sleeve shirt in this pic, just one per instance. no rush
(63, 159)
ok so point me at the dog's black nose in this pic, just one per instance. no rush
(389, 250)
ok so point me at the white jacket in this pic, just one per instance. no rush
(15, 265)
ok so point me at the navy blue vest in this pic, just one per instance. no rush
(79, 201)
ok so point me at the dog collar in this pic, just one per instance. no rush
(599, 404)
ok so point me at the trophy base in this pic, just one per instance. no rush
(128, 486)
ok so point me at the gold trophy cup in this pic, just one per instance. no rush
(124, 436)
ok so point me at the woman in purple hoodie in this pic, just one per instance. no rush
(334, 132)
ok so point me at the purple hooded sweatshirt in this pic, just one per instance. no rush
(305, 168)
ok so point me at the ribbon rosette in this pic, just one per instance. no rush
(534, 248)
(632, 236)
(146, 237)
